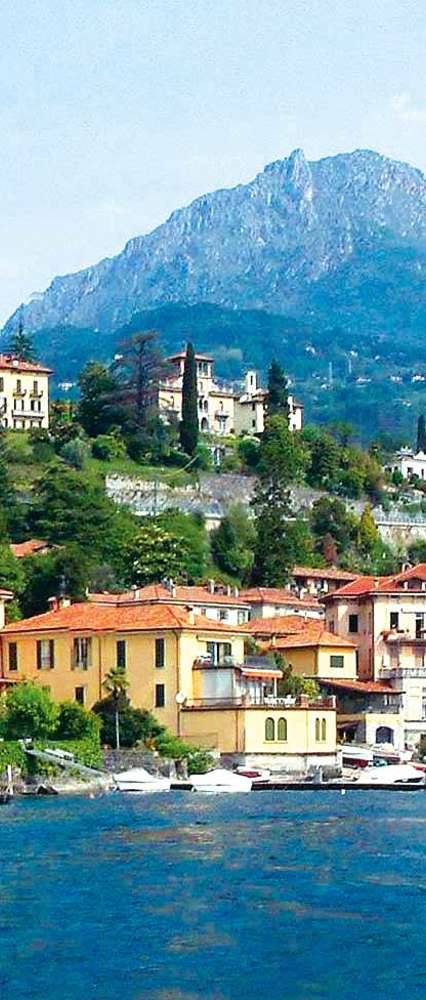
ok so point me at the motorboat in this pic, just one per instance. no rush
(356, 756)
(391, 774)
(221, 780)
(138, 779)
(388, 753)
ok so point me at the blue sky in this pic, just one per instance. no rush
(115, 112)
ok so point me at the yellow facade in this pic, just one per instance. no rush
(296, 731)
(24, 394)
(337, 662)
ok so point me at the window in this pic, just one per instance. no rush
(159, 653)
(353, 623)
(45, 654)
(269, 730)
(219, 651)
(241, 617)
(1, 384)
(324, 730)
(35, 388)
(80, 695)
(253, 424)
(394, 619)
(424, 703)
(160, 696)
(13, 656)
(82, 649)
(223, 616)
(282, 730)
(18, 385)
(419, 625)
(337, 662)
(317, 730)
(330, 626)
(121, 654)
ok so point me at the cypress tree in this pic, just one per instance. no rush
(277, 391)
(189, 422)
(421, 433)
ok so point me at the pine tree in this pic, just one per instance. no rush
(189, 422)
(277, 391)
(368, 533)
(21, 345)
(421, 434)
(138, 367)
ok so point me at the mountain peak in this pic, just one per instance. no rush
(262, 245)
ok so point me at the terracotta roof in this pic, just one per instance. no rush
(311, 637)
(277, 595)
(280, 625)
(157, 593)
(8, 362)
(325, 573)
(94, 618)
(30, 548)
(380, 584)
(364, 687)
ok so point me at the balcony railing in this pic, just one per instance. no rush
(261, 701)
(250, 662)
(19, 392)
(398, 671)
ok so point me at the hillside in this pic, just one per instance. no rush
(311, 261)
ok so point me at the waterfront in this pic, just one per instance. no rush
(296, 896)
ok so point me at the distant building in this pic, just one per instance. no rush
(222, 409)
(409, 463)
(32, 547)
(217, 602)
(310, 580)
(24, 393)
(267, 602)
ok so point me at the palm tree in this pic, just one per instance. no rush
(116, 684)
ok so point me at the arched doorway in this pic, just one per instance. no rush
(204, 424)
(384, 734)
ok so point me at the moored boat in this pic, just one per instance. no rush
(391, 774)
(356, 756)
(221, 780)
(138, 779)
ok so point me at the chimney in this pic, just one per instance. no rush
(63, 601)
(172, 589)
(236, 592)
(58, 602)
(228, 590)
(191, 615)
(303, 700)
(210, 586)
(53, 603)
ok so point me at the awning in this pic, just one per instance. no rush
(260, 672)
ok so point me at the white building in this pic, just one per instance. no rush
(24, 393)
(410, 463)
(222, 410)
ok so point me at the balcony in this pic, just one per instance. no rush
(261, 700)
(260, 663)
(36, 394)
(397, 672)
(20, 392)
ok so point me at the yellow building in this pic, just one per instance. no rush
(222, 409)
(24, 393)
(386, 618)
(188, 669)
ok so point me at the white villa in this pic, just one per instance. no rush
(222, 409)
(409, 463)
(24, 393)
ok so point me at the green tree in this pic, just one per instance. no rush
(137, 725)
(189, 422)
(277, 391)
(324, 458)
(30, 712)
(116, 684)
(156, 552)
(68, 507)
(11, 513)
(367, 532)
(138, 368)
(21, 345)
(330, 520)
(421, 433)
(12, 578)
(95, 409)
(75, 722)
(232, 543)
(282, 461)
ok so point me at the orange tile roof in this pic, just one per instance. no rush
(325, 573)
(8, 362)
(30, 548)
(280, 625)
(364, 687)
(277, 595)
(311, 637)
(364, 585)
(95, 618)
(156, 593)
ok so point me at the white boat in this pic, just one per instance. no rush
(387, 752)
(220, 780)
(137, 779)
(391, 774)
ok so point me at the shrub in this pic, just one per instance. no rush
(137, 725)
(75, 722)
(75, 453)
(29, 713)
(108, 446)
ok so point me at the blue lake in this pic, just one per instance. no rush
(285, 895)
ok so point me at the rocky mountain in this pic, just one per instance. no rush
(341, 241)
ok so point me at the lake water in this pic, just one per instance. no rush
(271, 895)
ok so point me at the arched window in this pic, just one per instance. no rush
(269, 730)
(317, 730)
(324, 729)
(282, 730)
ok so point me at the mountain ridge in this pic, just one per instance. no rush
(268, 244)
